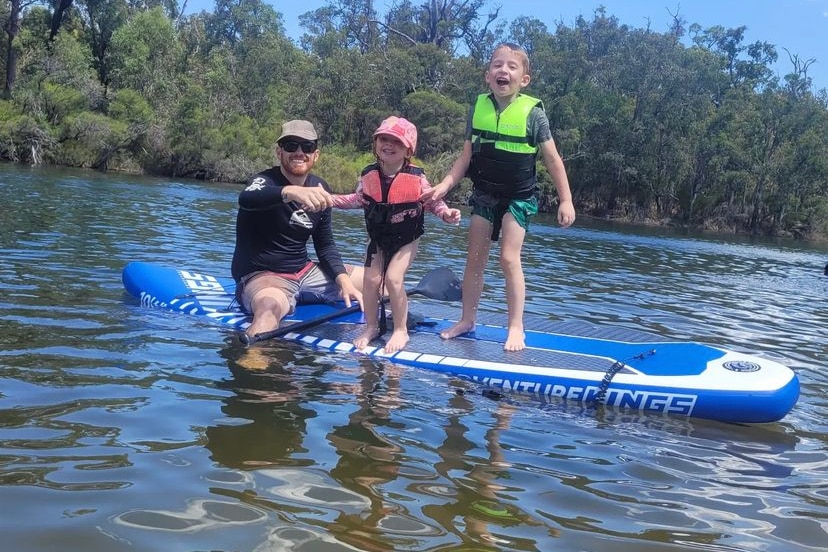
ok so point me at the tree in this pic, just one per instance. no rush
(12, 29)
(341, 24)
(728, 44)
(103, 17)
(61, 8)
(440, 122)
(144, 55)
(235, 21)
(447, 24)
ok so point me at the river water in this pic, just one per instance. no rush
(129, 428)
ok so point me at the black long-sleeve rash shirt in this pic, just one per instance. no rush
(273, 235)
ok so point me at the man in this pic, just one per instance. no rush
(279, 210)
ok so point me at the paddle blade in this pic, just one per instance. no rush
(440, 284)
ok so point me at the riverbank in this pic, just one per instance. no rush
(338, 168)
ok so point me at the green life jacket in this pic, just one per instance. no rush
(503, 159)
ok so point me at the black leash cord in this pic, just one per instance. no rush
(601, 395)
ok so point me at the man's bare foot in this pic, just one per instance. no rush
(253, 359)
(398, 340)
(369, 334)
(515, 340)
(459, 328)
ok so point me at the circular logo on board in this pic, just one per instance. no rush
(742, 366)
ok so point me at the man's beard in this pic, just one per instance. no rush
(293, 170)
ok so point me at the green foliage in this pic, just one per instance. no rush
(144, 56)
(59, 102)
(341, 167)
(237, 21)
(440, 122)
(259, 93)
(130, 107)
(103, 18)
(234, 150)
(92, 140)
(69, 63)
(22, 138)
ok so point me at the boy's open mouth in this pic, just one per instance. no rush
(502, 81)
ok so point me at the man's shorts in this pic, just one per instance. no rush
(309, 285)
(522, 209)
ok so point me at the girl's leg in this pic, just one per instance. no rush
(395, 284)
(371, 280)
(480, 232)
(512, 237)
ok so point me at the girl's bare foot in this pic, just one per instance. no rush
(515, 340)
(398, 340)
(367, 336)
(459, 328)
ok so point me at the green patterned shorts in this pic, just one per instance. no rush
(522, 209)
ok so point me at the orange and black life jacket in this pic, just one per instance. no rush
(394, 214)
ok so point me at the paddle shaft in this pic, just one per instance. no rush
(440, 283)
(305, 324)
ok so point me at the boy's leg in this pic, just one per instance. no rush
(480, 242)
(512, 236)
(371, 281)
(395, 284)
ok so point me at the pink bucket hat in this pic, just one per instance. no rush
(400, 128)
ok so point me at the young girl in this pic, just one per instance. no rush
(389, 191)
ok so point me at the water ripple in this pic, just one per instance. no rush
(121, 426)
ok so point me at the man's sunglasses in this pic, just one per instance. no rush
(291, 146)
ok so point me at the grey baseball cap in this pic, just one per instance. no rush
(299, 129)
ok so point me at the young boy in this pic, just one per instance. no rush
(504, 133)
(389, 191)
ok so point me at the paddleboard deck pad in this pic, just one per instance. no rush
(616, 366)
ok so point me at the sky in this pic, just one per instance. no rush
(800, 26)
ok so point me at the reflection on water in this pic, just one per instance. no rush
(124, 428)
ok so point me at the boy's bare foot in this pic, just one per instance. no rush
(398, 340)
(369, 334)
(515, 340)
(459, 328)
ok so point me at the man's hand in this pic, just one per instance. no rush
(313, 198)
(348, 292)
